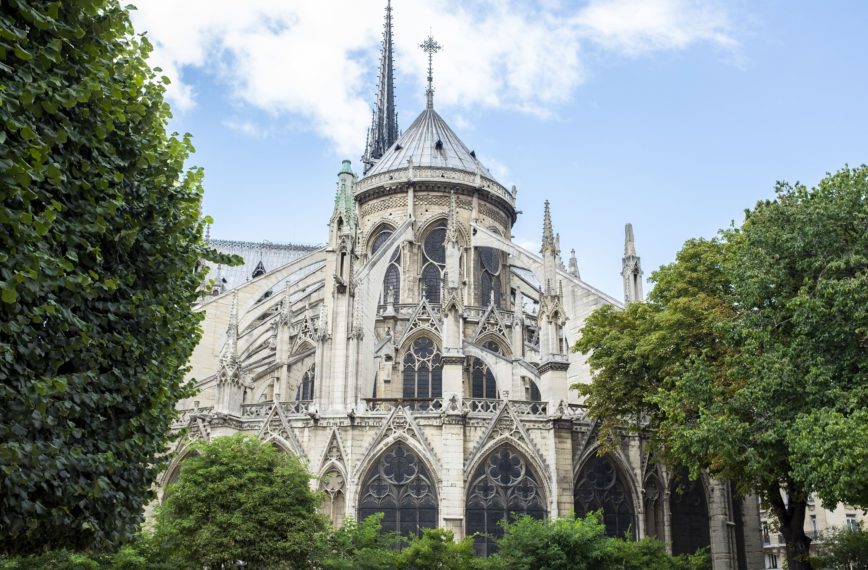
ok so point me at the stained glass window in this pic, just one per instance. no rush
(423, 371)
(392, 280)
(434, 258)
(502, 485)
(400, 487)
(305, 389)
(602, 486)
(689, 515)
(489, 280)
(482, 381)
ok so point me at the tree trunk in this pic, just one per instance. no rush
(791, 517)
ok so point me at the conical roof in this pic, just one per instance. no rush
(429, 142)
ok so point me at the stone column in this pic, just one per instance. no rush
(452, 445)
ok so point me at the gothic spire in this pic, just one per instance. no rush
(384, 123)
(548, 237)
(574, 264)
(631, 268)
(629, 241)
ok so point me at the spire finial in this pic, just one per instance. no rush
(384, 122)
(430, 46)
(574, 264)
(548, 237)
(629, 241)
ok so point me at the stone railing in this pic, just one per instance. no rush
(481, 405)
(258, 410)
(419, 405)
(435, 174)
(185, 415)
(296, 408)
(529, 408)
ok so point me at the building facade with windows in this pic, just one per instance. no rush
(419, 362)
(819, 522)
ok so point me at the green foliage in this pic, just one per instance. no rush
(359, 546)
(845, 549)
(436, 549)
(239, 499)
(100, 239)
(572, 543)
(639, 351)
(749, 358)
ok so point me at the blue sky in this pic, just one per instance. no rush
(673, 115)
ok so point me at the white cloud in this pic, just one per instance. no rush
(317, 60)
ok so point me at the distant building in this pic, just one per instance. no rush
(419, 362)
(819, 521)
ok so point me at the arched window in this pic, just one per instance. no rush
(305, 388)
(482, 381)
(423, 371)
(333, 505)
(689, 515)
(399, 486)
(392, 280)
(433, 260)
(489, 272)
(602, 486)
(654, 506)
(502, 485)
(532, 391)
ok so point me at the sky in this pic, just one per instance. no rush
(673, 115)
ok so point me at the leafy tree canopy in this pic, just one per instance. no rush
(572, 543)
(100, 240)
(749, 358)
(238, 499)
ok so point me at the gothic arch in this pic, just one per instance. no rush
(332, 481)
(285, 446)
(530, 455)
(654, 495)
(399, 483)
(607, 483)
(376, 229)
(421, 367)
(380, 444)
(688, 513)
(170, 475)
(503, 483)
(483, 381)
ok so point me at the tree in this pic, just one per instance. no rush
(435, 549)
(99, 251)
(359, 546)
(845, 549)
(749, 359)
(572, 543)
(238, 499)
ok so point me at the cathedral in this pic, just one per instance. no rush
(419, 362)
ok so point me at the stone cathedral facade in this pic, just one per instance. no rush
(419, 362)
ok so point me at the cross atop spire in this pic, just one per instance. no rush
(430, 46)
(384, 122)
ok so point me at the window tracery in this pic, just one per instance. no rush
(423, 370)
(334, 505)
(433, 261)
(400, 486)
(501, 486)
(392, 280)
(482, 381)
(489, 280)
(688, 515)
(602, 486)
(305, 388)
